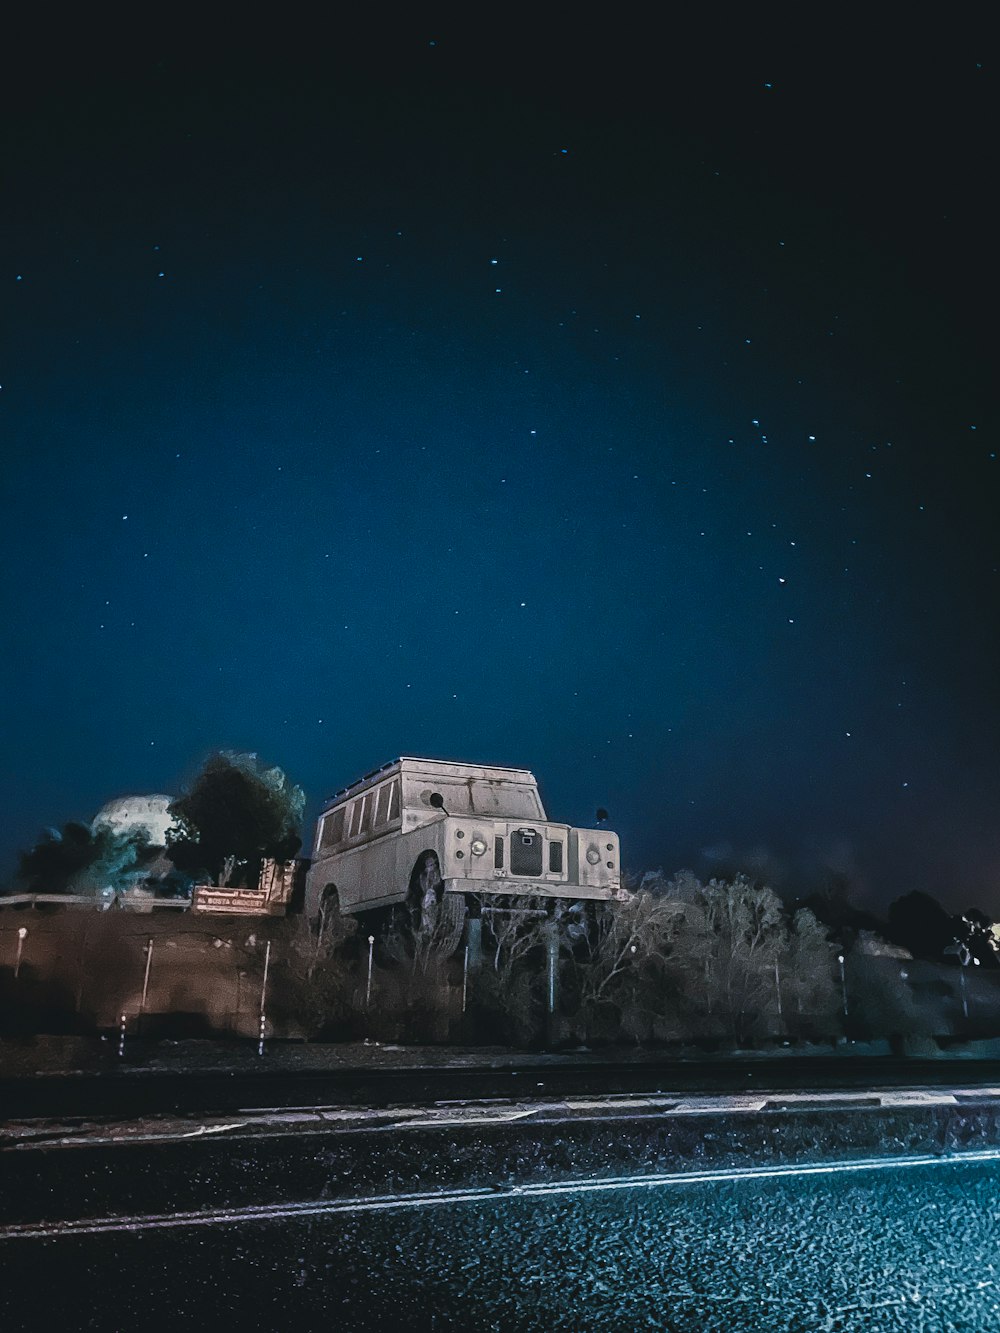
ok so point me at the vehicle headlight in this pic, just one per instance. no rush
(593, 855)
(477, 847)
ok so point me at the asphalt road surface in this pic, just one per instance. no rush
(128, 1091)
(901, 1245)
(800, 1196)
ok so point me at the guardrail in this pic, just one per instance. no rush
(94, 902)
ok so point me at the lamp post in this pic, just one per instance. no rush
(368, 988)
(843, 983)
(964, 955)
(22, 934)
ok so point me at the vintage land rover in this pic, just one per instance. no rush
(425, 825)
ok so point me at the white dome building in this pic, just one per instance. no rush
(148, 813)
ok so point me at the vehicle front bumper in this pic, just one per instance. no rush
(532, 888)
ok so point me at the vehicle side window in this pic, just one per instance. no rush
(394, 799)
(382, 808)
(333, 830)
(356, 817)
(367, 811)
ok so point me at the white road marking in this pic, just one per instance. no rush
(212, 1129)
(440, 1198)
(617, 1103)
(491, 1117)
(710, 1105)
(496, 1112)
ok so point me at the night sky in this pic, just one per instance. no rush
(611, 403)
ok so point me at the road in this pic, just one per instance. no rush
(124, 1090)
(891, 1245)
(573, 1202)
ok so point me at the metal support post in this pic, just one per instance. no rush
(474, 942)
(552, 965)
(145, 980)
(263, 999)
(551, 934)
(843, 983)
(777, 990)
(319, 936)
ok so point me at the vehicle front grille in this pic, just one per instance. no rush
(526, 852)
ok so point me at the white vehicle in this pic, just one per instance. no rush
(421, 826)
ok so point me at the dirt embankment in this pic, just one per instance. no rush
(79, 971)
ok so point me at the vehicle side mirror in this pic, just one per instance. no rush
(437, 800)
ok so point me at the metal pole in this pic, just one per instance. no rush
(777, 989)
(965, 998)
(474, 940)
(239, 999)
(263, 999)
(22, 932)
(319, 937)
(552, 959)
(263, 986)
(465, 979)
(368, 991)
(145, 980)
(843, 982)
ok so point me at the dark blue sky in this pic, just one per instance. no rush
(611, 405)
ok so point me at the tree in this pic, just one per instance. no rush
(56, 859)
(730, 937)
(974, 930)
(319, 976)
(624, 939)
(417, 994)
(505, 992)
(833, 909)
(920, 924)
(880, 999)
(808, 979)
(79, 859)
(425, 948)
(514, 930)
(235, 813)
